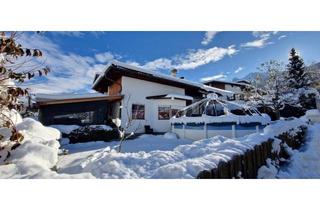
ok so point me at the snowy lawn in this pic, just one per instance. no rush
(81, 151)
(144, 142)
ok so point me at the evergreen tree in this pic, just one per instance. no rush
(296, 76)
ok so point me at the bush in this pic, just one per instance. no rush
(292, 111)
(93, 133)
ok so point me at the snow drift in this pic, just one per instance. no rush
(37, 155)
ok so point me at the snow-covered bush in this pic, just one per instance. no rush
(93, 133)
(65, 129)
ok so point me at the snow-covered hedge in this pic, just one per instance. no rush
(93, 133)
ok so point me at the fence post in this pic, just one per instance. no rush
(233, 131)
(206, 130)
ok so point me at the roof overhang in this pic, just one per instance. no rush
(79, 100)
(172, 97)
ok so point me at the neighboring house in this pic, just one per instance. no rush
(241, 88)
(148, 98)
(236, 87)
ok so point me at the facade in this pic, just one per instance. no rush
(141, 103)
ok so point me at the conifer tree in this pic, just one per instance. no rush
(296, 76)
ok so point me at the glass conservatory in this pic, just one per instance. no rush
(214, 116)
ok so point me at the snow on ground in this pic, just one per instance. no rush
(305, 163)
(184, 161)
(144, 142)
(79, 152)
(140, 160)
(148, 156)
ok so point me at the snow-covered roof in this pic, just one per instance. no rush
(218, 90)
(52, 97)
(163, 76)
(179, 96)
(171, 96)
(225, 82)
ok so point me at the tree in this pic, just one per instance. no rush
(124, 129)
(313, 73)
(300, 79)
(13, 70)
(274, 85)
(296, 76)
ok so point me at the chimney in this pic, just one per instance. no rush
(174, 72)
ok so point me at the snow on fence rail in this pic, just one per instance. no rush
(186, 161)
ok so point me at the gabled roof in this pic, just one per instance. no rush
(116, 69)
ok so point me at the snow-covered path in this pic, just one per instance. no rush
(305, 163)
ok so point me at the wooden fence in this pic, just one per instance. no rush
(247, 165)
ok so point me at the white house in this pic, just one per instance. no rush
(147, 97)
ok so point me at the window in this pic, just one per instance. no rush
(138, 112)
(164, 113)
(75, 118)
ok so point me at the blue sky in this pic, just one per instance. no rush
(74, 57)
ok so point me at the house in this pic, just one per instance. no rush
(241, 88)
(236, 87)
(125, 93)
(148, 99)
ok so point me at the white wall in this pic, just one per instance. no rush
(136, 91)
(233, 88)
